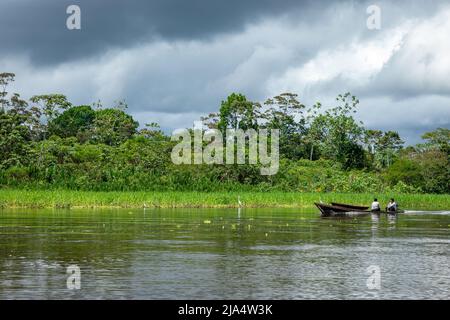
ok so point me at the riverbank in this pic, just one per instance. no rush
(11, 198)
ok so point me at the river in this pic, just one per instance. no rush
(222, 254)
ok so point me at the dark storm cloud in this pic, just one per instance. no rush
(175, 60)
(38, 28)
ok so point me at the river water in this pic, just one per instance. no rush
(222, 254)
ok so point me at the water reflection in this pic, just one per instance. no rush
(392, 218)
(221, 254)
(375, 217)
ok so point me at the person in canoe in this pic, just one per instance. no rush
(375, 207)
(392, 206)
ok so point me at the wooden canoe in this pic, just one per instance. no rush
(339, 211)
(350, 206)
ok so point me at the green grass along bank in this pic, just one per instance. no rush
(15, 198)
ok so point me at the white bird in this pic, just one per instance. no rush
(239, 201)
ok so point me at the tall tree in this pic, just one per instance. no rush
(439, 138)
(113, 126)
(383, 147)
(51, 104)
(14, 133)
(5, 79)
(285, 113)
(46, 108)
(238, 113)
(341, 135)
(74, 122)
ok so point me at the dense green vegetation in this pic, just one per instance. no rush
(47, 143)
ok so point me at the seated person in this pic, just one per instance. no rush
(392, 206)
(375, 205)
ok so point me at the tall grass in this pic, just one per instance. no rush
(11, 198)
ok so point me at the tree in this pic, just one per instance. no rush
(387, 148)
(74, 122)
(383, 147)
(5, 79)
(314, 132)
(113, 126)
(238, 113)
(285, 113)
(439, 139)
(46, 108)
(339, 133)
(435, 170)
(371, 139)
(14, 133)
(428, 170)
(14, 126)
(152, 131)
(51, 104)
(405, 170)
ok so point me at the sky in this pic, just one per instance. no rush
(174, 61)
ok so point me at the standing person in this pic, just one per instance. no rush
(375, 205)
(392, 205)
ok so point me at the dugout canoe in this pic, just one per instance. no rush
(339, 211)
(350, 206)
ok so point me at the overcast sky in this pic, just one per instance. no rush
(175, 60)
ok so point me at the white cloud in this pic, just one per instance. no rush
(356, 63)
(423, 64)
